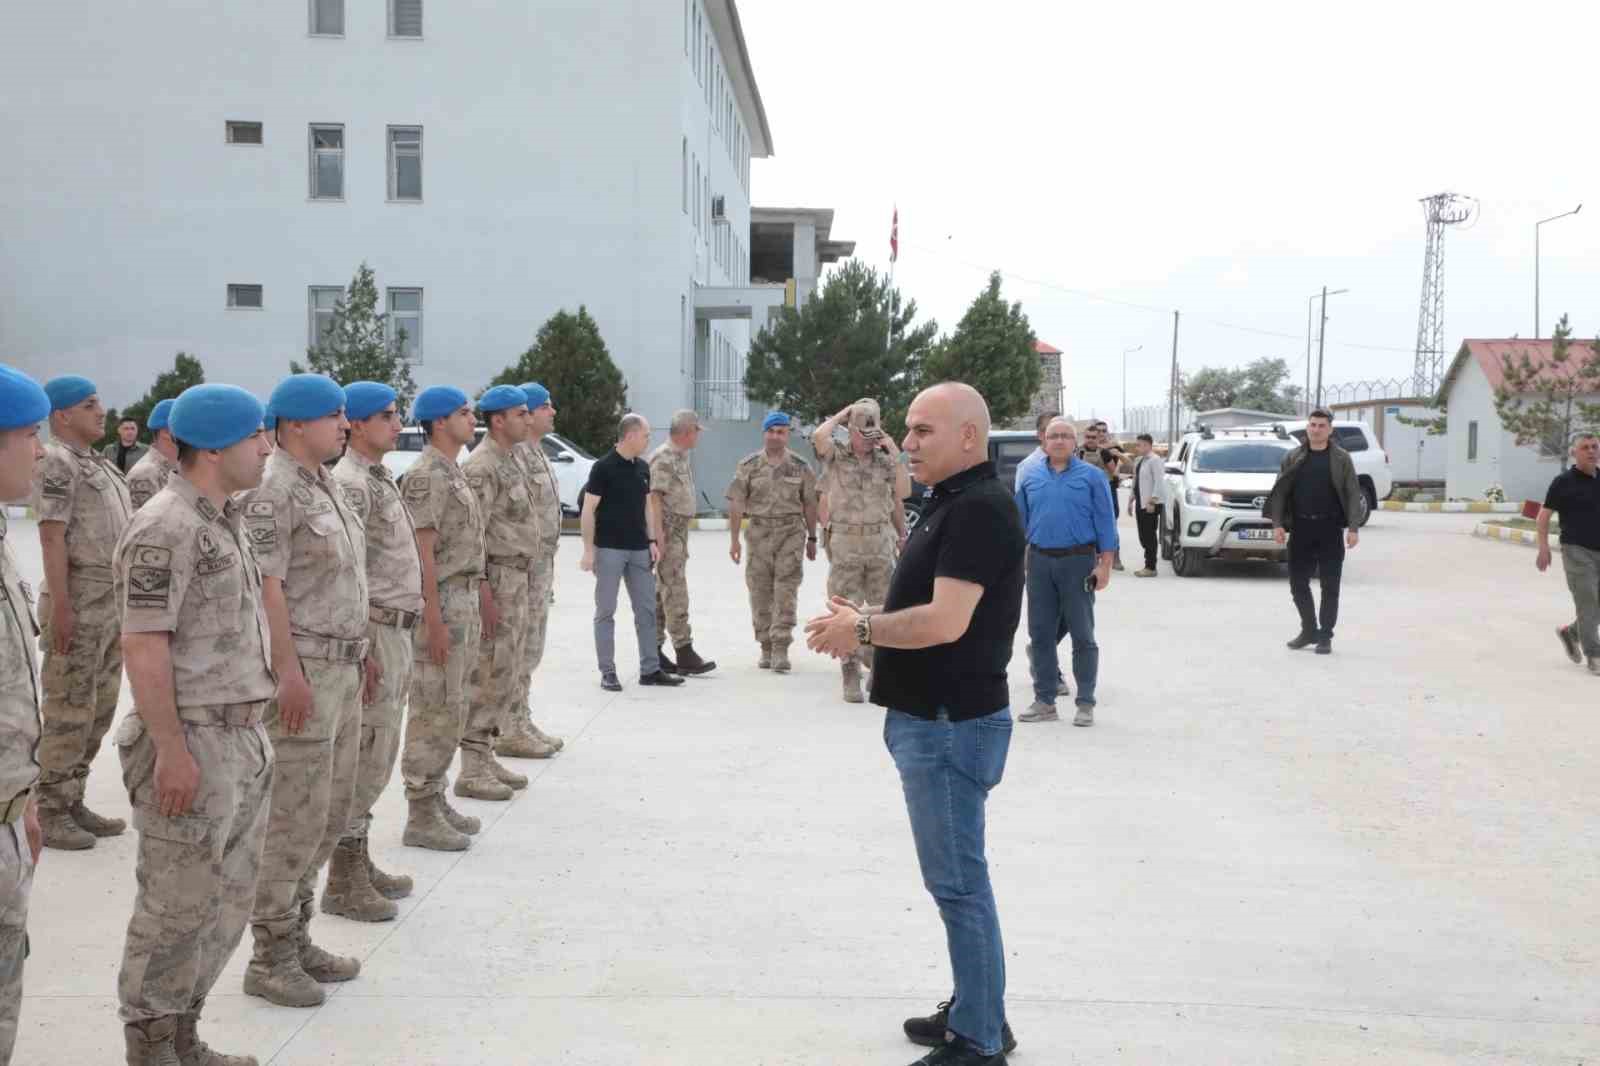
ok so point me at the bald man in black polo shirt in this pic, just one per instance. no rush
(1575, 496)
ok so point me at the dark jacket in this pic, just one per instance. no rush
(1345, 485)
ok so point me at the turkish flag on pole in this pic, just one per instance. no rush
(894, 237)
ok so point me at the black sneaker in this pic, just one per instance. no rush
(1324, 646)
(1304, 640)
(959, 1054)
(667, 665)
(1569, 642)
(610, 683)
(661, 677)
(929, 1031)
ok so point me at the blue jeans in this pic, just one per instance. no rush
(1056, 599)
(946, 770)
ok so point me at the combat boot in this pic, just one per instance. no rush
(274, 972)
(765, 662)
(852, 682)
(151, 1043)
(322, 966)
(62, 831)
(477, 779)
(504, 774)
(780, 658)
(349, 892)
(690, 664)
(555, 742)
(98, 824)
(521, 743)
(389, 886)
(192, 1051)
(426, 828)
(461, 823)
(667, 664)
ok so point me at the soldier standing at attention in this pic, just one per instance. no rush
(83, 507)
(672, 480)
(778, 491)
(867, 522)
(499, 479)
(23, 405)
(149, 475)
(356, 889)
(313, 559)
(445, 647)
(520, 736)
(196, 760)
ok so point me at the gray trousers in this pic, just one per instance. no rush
(1582, 566)
(613, 567)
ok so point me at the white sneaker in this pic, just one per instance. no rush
(1039, 712)
(1085, 715)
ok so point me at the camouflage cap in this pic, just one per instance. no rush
(865, 416)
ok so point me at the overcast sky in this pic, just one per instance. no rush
(1226, 165)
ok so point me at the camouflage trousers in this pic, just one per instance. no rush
(672, 583)
(80, 691)
(16, 883)
(859, 570)
(196, 872)
(773, 567)
(541, 578)
(438, 709)
(313, 787)
(382, 721)
(492, 693)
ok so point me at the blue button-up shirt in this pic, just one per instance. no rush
(1063, 509)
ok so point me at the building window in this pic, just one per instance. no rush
(323, 299)
(1472, 442)
(697, 193)
(244, 296)
(683, 179)
(327, 162)
(405, 162)
(327, 18)
(405, 18)
(405, 322)
(688, 19)
(244, 132)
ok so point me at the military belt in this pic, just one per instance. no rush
(515, 562)
(14, 808)
(759, 518)
(839, 528)
(240, 715)
(339, 651)
(392, 616)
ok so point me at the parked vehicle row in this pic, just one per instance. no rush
(571, 462)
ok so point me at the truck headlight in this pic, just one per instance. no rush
(1202, 498)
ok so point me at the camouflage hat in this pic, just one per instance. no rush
(865, 416)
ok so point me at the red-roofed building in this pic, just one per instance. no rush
(1049, 396)
(1481, 452)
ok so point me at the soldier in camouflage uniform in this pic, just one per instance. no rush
(450, 542)
(776, 489)
(499, 479)
(312, 552)
(356, 888)
(23, 405)
(865, 483)
(82, 504)
(195, 756)
(672, 480)
(149, 475)
(520, 737)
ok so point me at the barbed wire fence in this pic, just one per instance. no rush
(1154, 418)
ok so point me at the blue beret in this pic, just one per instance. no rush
(269, 418)
(214, 416)
(502, 398)
(537, 394)
(303, 397)
(22, 401)
(774, 418)
(68, 390)
(159, 414)
(363, 399)
(437, 402)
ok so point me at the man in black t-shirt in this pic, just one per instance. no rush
(942, 640)
(621, 526)
(1575, 496)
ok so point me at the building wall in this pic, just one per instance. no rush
(1520, 471)
(1414, 454)
(1048, 398)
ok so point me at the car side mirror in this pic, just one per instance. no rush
(563, 457)
(1175, 468)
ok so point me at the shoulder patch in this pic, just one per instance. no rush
(260, 509)
(150, 555)
(149, 587)
(355, 496)
(416, 488)
(55, 486)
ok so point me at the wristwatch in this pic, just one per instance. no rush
(864, 630)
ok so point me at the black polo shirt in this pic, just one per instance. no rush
(1575, 496)
(622, 485)
(970, 530)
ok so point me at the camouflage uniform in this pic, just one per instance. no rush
(304, 535)
(19, 773)
(438, 497)
(862, 503)
(672, 475)
(149, 476)
(86, 492)
(774, 496)
(521, 736)
(184, 569)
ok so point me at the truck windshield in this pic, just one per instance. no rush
(1240, 456)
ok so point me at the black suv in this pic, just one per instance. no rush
(1007, 449)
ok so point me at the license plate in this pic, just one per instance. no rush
(1253, 534)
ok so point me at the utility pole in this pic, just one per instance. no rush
(1536, 226)
(1172, 398)
(1322, 335)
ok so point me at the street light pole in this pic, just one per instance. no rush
(1125, 353)
(1322, 334)
(1536, 226)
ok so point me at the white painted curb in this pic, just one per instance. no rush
(1454, 507)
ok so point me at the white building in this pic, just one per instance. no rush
(202, 178)
(1414, 453)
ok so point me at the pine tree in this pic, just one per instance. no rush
(356, 346)
(992, 350)
(569, 357)
(1541, 403)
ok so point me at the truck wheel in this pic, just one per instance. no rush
(1186, 562)
(1369, 501)
(1163, 537)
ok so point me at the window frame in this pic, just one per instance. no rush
(1472, 442)
(313, 335)
(230, 124)
(311, 19)
(237, 288)
(391, 321)
(393, 155)
(395, 36)
(312, 155)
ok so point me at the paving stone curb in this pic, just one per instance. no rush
(1456, 507)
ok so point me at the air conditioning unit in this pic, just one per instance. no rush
(719, 209)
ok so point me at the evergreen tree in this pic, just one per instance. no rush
(992, 350)
(186, 371)
(1542, 403)
(570, 358)
(356, 345)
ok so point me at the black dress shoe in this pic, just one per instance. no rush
(1324, 646)
(1304, 640)
(610, 683)
(929, 1031)
(661, 677)
(959, 1054)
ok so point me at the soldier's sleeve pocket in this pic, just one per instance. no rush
(129, 732)
(178, 828)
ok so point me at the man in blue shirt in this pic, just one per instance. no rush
(1071, 524)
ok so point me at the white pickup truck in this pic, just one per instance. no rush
(1217, 483)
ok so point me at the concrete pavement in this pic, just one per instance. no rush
(1256, 856)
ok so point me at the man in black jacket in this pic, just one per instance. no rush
(1316, 497)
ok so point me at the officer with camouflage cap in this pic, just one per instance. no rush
(866, 484)
(195, 756)
(356, 888)
(149, 475)
(449, 528)
(23, 405)
(312, 553)
(82, 504)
